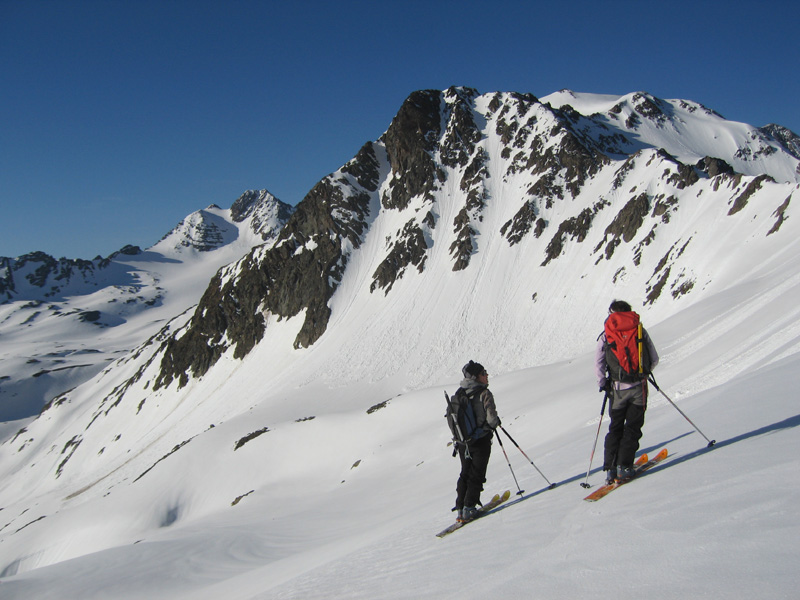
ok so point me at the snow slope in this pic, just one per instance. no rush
(706, 524)
(325, 472)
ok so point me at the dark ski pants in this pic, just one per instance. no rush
(473, 472)
(625, 430)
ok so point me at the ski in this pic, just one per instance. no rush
(496, 501)
(642, 464)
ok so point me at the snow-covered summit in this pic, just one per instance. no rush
(255, 218)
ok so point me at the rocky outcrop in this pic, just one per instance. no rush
(574, 228)
(626, 224)
(267, 213)
(38, 276)
(409, 249)
(461, 134)
(787, 138)
(714, 166)
(742, 199)
(300, 272)
(522, 222)
(780, 216)
(410, 143)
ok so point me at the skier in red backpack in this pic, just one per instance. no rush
(625, 355)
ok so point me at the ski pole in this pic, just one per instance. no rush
(552, 485)
(585, 484)
(652, 380)
(520, 492)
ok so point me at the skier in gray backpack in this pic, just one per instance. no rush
(477, 422)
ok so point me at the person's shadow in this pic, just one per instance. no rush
(671, 461)
(785, 424)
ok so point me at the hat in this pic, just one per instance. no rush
(472, 369)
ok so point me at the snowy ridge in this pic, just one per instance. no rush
(690, 131)
(499, 231)
(62, 321)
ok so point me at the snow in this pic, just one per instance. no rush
(47, 349)
(326, 472)
(708, 523)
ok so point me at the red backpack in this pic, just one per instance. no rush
(626, 353)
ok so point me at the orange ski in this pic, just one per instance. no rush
(642, 464)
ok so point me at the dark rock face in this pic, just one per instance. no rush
(660, 277)
(461, 134)
(410, 249)
(651, 108)
(780, 216)
(571, 160)
(39, 275)
(627, 223)
(410, 142)
(365, 168)
(459, 151)
(518, 227)
(574, 227)
(245, 204)
(299, 272)
(461, 249)
(787, 138)
(664, 207)
(741, 200)
(714, 166)
(559, 169)
(432, 122)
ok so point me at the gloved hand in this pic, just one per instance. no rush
(606, 387)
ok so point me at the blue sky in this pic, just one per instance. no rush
(118, 118)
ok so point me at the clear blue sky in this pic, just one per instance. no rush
(120, 117)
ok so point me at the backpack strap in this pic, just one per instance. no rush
(472, 395)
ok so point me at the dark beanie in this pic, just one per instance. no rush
(619, 306)
(472, 369)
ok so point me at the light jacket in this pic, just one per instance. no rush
(485, 410)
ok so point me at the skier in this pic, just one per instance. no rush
(627, 391)
(475, 455)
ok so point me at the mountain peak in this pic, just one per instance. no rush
(256, 214)
(459, 176)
